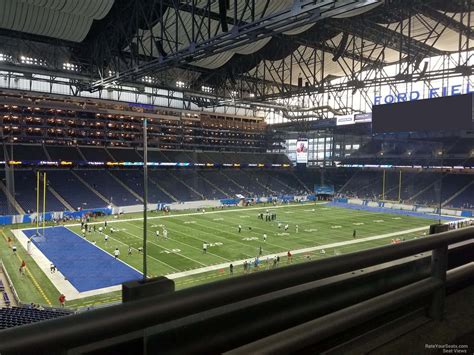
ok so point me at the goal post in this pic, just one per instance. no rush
(40, 205)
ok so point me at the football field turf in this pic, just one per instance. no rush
(318, 226)
(181, 257)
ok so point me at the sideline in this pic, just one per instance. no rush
(30, 275)
(294, 252)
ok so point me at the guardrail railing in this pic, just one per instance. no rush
(223, 315)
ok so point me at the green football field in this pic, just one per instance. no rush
(319, 227)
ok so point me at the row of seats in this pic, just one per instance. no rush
(3, 204)
(16, 316)
(422, 188)
(83, 189)
(25, 191)
(454, 146)
(97, 188)
(6, 299)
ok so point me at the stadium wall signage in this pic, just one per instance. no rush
(120, 164)
(430, 91)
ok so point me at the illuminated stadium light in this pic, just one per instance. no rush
(5, 57)
(207, 89)
(32, 61)
(70, 67)
(147, 79)
(180, 84)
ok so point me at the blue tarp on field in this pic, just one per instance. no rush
(86, 266)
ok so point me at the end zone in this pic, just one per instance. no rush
(83, 269)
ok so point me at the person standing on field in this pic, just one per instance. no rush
(62, 300)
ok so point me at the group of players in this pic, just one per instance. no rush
(86, 228)
(164, 233)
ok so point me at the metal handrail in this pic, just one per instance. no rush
(305, 335)
(70, 331)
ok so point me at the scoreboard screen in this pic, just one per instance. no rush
(437, 114)
(302, 151)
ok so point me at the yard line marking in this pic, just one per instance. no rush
(232, 235)
(226, 239)
(189, 245)
(299, 251)
(149, 256)
(79, 236)
(159, 246)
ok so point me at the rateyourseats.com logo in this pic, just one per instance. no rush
(449, 348)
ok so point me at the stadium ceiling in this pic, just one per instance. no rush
(251, 52)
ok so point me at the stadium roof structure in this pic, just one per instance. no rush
(249, 53)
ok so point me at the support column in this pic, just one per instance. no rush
(439, 264)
